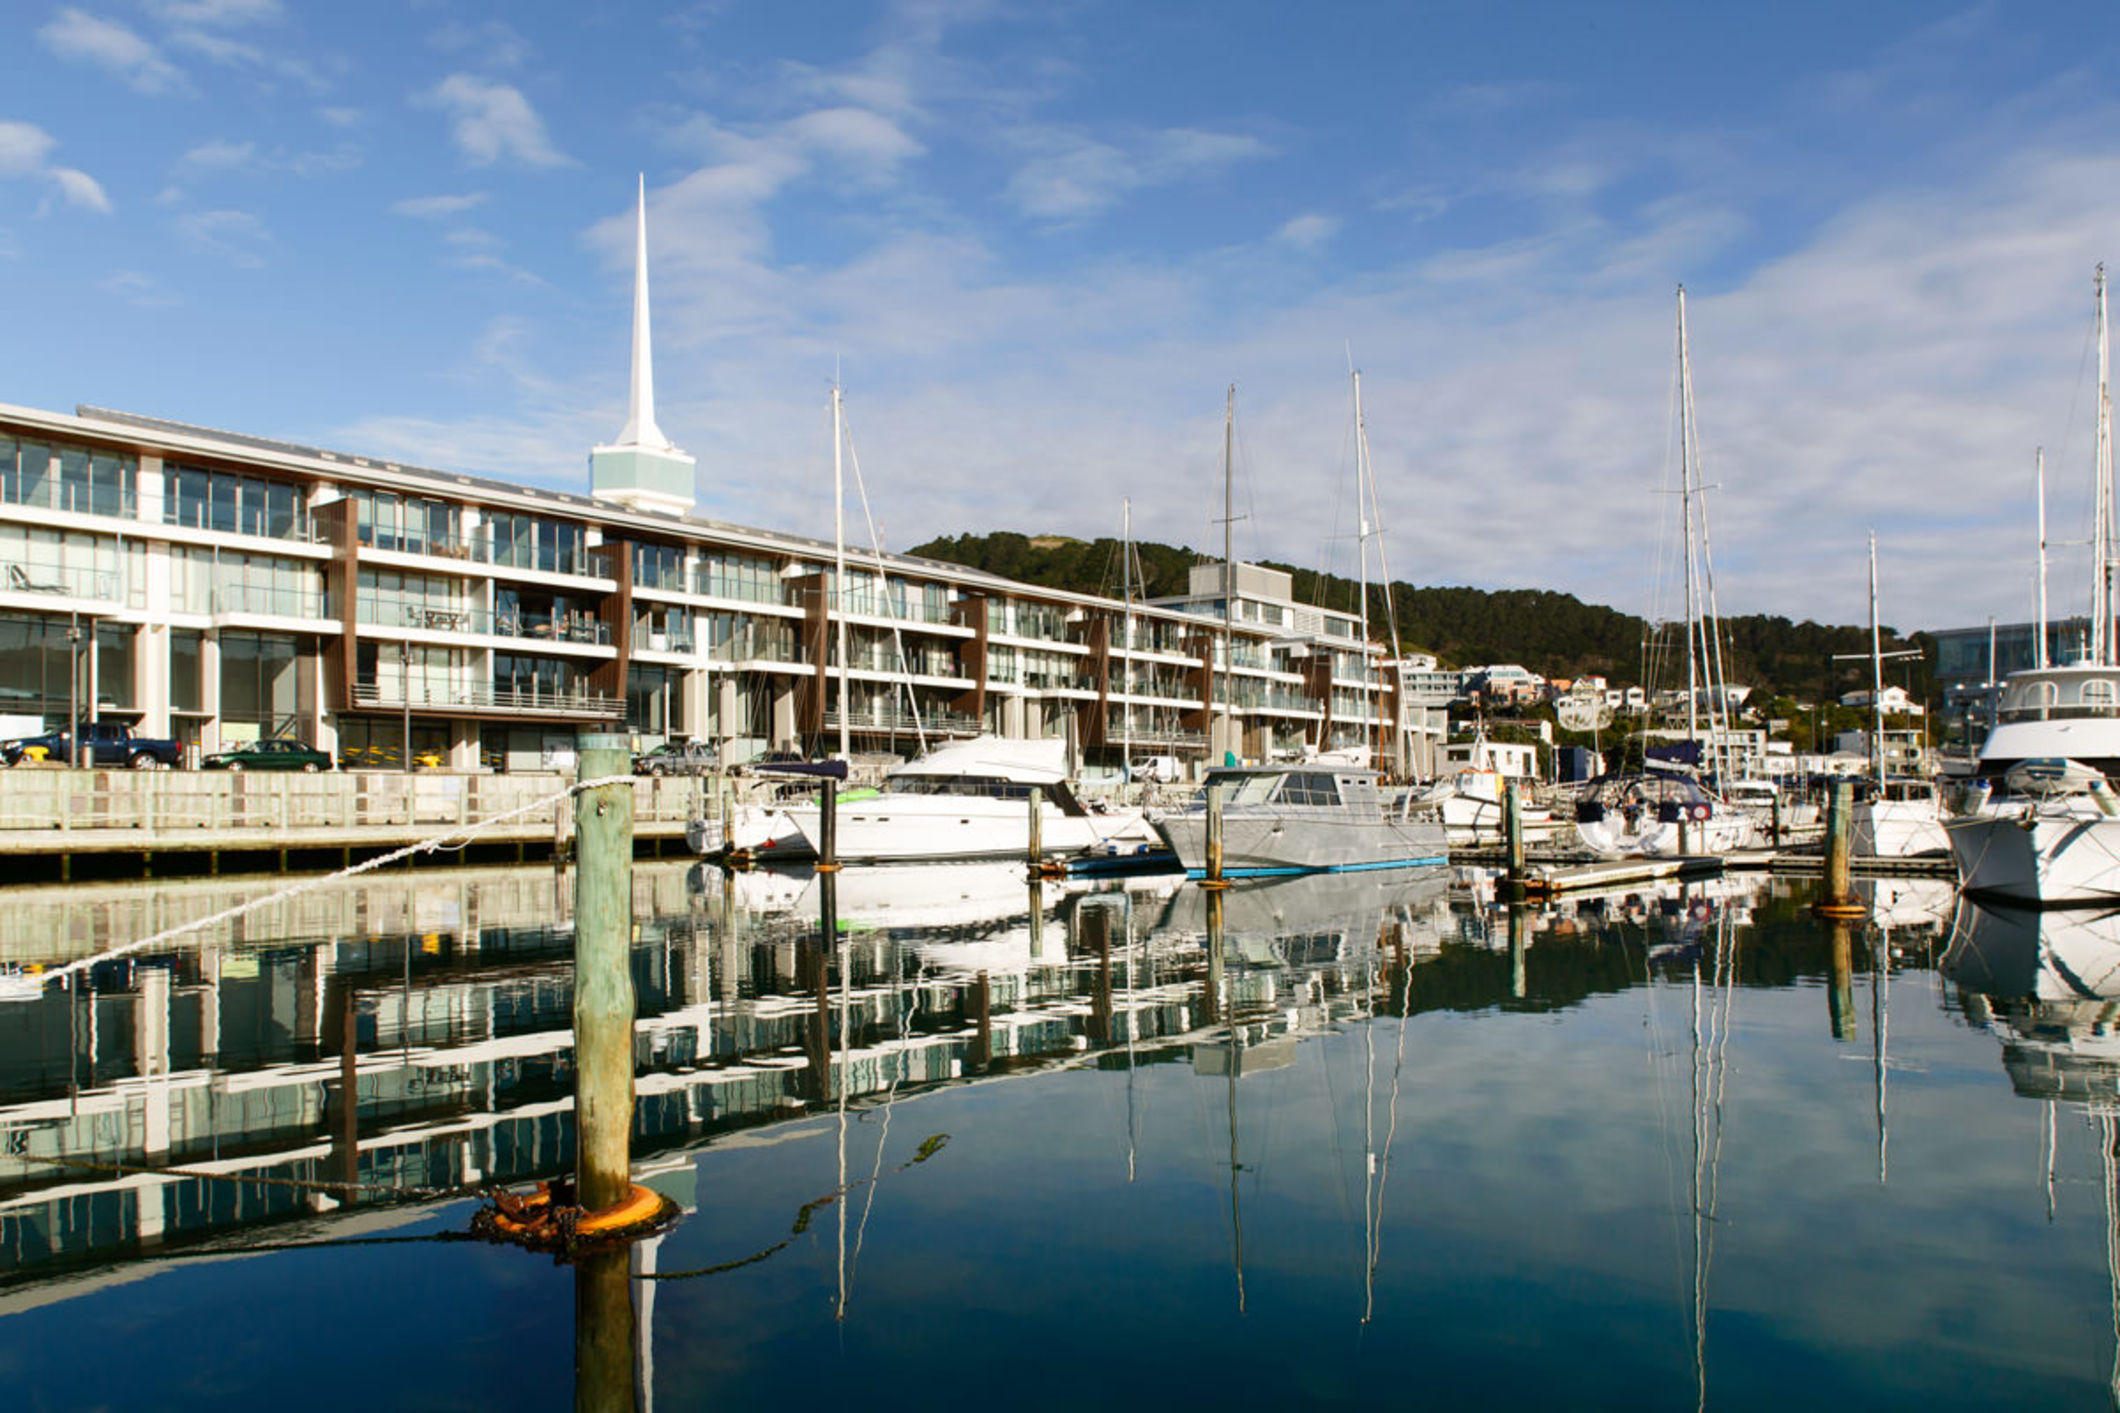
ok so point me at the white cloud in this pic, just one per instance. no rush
(218, 154)
(233, 235)
(138, 289)
(228, 14)
(81, 189)
(428, 207)
(493, 122)
(1308, 231)
(76, 34)
(24, 148)
(340, 117)
(1069, 175)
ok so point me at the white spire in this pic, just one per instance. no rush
(640, 428)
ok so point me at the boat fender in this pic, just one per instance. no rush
(2102, 796)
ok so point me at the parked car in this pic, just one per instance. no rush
(269, 755)
(106, 743)
(678, 758)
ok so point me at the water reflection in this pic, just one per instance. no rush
(1692, 1137)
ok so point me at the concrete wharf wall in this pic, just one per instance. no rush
(188, 817)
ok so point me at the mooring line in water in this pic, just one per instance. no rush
(809, 1209)
(461, 834)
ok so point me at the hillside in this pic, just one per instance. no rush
(1555, 635)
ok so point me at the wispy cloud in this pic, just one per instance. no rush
(138, 289)
(493, 123)
(491, 45)
(77, 35)
(1308, 231)
(234, 236)
(228, 14)
(429, 207)
(24, 150)
(1068, 175)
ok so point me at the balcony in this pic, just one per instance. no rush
(269, 601)
(745, 588)
(898, 719)
(431, 617)
(580, 628)
(65, 581)
(432, 697)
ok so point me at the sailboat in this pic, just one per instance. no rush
(2042, 822)
(1902, 818)
(1670, 812)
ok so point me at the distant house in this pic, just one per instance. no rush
(1895, 701)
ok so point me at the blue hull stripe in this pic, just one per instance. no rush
(1337, 868)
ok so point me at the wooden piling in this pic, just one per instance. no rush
(1519, 922)
(1836, 897)
(1840, 999)
(1037, 831)
(1513, 828)
(828, 826)
(1214, 836)
(603, 975)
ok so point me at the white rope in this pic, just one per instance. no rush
(463, 835)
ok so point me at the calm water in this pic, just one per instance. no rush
(1358, 1139)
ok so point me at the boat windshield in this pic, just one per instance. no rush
(2061, 694)
(991, 787)
(1240, 787)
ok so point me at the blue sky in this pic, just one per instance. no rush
(1038, 241)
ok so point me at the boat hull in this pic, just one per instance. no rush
(1613, 837)
(911, 828)
(1899, 829)
(2038, 859)
(1264, 845)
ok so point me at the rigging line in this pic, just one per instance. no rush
(1391, 1128)
(905, 1009)
(431, 845)
(883, 581)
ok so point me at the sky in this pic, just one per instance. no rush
(1036, 244)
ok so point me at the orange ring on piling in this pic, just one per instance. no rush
(640, 1206)
(1839, 910)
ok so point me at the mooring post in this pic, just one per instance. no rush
(1774, 828)
(1037, 834)
(1518, 925)
(603, 974)
(1840, 1000)
(1037, 906)
(828, 826)
(1513, 829)
(1840, 838)
(1216, 959)
(1214, 834)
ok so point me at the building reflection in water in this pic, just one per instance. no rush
(341, 1062)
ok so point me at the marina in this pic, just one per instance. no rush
(1697, 1138)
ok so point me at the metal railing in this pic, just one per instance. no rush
(444, 697)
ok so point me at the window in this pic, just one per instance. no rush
(232, 503)
(527, 542)
(186, 681)
(658, 567)
(70, 478)
(408, 524)
(1309, 788)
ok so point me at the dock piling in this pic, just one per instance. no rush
(828, 826)
(1037, 829)
(1214, 835)
(603, 975)
(1836, 896)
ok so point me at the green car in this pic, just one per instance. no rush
(269, 755)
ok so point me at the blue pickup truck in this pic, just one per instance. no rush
(107, 743)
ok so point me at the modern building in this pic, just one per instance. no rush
(219, 588)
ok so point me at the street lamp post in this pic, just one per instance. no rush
(73, 688)
(405, 688)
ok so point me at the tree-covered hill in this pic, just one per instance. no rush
(1555, 635)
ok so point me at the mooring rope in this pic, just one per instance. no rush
(462, 835)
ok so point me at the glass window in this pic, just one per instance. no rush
(186, 684)
(221, 504)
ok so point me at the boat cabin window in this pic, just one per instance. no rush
(2098, 694)
(1309, 787)
(986, 787)
(1240, 787)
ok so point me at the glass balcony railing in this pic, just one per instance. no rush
(271, 600)
(68, 581)
(439, 696)
(554, 628)
(434, 617)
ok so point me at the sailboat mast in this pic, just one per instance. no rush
(2103, 652)
(1876, 676)
(1361, 516)
(2039, 643)
(838, 599)
(1229, 570)
(1685, 493)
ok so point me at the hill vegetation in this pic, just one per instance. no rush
(1555, 635)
